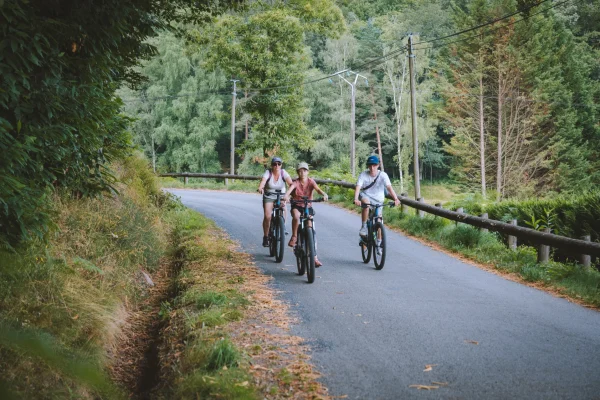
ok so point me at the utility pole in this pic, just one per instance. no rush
(413, 103)
(352, 116)
(232, 163)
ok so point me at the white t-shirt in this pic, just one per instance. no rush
(272, 185)
(375, 192)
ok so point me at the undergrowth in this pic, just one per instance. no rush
(64, 299)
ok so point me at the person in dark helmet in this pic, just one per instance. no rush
(274, 178)
(370, 189)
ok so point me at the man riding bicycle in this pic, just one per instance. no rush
(302, 187)
(370, 189)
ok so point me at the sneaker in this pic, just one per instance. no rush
(363, 231)
(265, 241)
(317, 262)
(292, 241)
(379, 249)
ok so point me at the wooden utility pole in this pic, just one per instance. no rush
(232, 162)
(413, 104)
(246, 132)
(352, 117)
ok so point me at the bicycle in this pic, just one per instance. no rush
(376, 233)
(277, 228)
(305, 246)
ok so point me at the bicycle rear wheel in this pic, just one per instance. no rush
(279, 239)
(310, 255)
(379, 249)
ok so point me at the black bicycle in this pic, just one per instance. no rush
(277, 227)
(374, 242)
(305, 246)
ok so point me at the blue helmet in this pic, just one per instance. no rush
(372, 160)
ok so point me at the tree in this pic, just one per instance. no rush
(60, 125)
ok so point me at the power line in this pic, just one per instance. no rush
(490, 31)
(483, 25)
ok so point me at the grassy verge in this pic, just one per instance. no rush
(225, 333)
(211, 184)
(65, 299)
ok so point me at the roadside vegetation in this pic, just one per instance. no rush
(132, 295)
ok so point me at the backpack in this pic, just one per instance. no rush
(283, 172)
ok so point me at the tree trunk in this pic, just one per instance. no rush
(481, 136)
(500, 154)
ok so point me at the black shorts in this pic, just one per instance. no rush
(301, 209)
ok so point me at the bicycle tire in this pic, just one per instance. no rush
(280, 239)
(365, 248)
(379, 260)
(310, 255)
(272, 238)
(300, 257)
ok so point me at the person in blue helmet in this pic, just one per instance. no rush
(273, 179)
(370, 189)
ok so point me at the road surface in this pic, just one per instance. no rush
(373, 332)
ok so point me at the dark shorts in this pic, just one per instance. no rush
(301, 209)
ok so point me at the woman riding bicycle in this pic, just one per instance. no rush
(370, 189)
(273, 179)
(302, 187)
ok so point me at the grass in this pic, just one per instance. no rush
(205, 361)
(65, 298)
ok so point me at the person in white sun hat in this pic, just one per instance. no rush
(303, 186)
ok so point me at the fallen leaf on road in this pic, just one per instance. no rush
(429, 367)
(471, 341)
(440, 383)
(365, 322)
(339, 292)
(424, 387)
(359, 315)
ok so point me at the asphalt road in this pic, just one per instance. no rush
(373, 332)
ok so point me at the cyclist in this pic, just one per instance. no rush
(303, 186)
(273, 179)
(370, 189)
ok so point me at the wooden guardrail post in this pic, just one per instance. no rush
(585, 259)
(421, 213)
(512, 240)
(185, 181)
(543, 254)
(459, 210)
(484, 230)
(226, 180)
(403, 206)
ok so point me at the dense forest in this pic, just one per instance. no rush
(509, 109)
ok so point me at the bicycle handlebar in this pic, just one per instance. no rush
(306, 201)
(390, 204)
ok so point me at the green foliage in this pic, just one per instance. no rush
(62, 301)
(224, 354)
(60, 124)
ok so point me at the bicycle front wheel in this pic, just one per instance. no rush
(279, 239)
(379, 245)
(300, 255)
(310, 255)
(272, 237)
(365, 250)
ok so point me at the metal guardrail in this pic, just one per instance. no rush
(569, 245)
